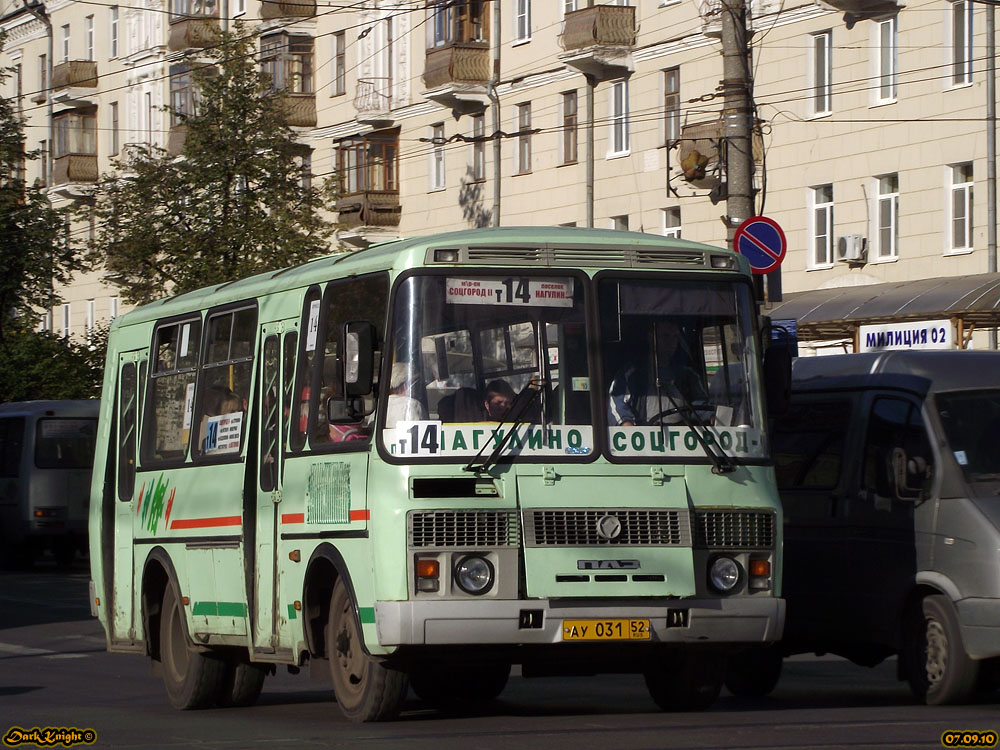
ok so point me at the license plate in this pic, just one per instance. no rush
(622, 629)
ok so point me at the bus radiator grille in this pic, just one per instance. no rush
(464, 528)
(636, 527)
(741, 529)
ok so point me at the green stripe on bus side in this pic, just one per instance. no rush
(220, 609)
(291, 612)
(367, 615)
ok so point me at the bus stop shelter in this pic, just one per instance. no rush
(969, 302)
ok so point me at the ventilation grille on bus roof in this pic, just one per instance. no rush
(568, 255)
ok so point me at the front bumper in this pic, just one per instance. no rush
(716, 621)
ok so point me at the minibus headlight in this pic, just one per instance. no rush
(724, 574)
(474, 575)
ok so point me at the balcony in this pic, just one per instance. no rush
(598, 40)
(175, 139)
(74, 84)
(301, 110)
(373, 100)
(458, 75)
(192, 33)
(372, 208)
(860, 10)
(287, 9)
(72, 169)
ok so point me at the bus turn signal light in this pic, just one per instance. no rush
(428, 572)
(760, 568)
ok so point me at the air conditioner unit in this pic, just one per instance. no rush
(851, 248)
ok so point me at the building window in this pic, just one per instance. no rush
(821, 198)
(570, 121)
(478, 148)
(886, 50)
(305, 170)
(888, 216)
(961, 206)
(65, 43)
(961, 42)
(569, 6)
(148, 96)
(822, 72)
(65, 321)
(523, 165)
(18, 87)
(672, 222)
(75, 134)
(619, 118)
(114, 31)
(43, 148)
(89, 35)
(522, 20)
(451, 21)
(620, 223)
(43, 74)
(437, 157)
(368, 163)
(288, 60)
(89, 324)
(182, 99)
(240, 7)
(671, 104)
(113, 307)
(113, 113)
(339, 82)
(180, 9)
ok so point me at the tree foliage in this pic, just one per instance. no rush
(40, 365)
(231, 206)
(35, 254)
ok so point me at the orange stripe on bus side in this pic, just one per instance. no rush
(356, 515)
(206, 523)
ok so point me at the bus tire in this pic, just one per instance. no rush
(193, 678)
(451, 685)
(243, 684)
(686, 680)
(365, 688)
(755, 672)
(939, 670)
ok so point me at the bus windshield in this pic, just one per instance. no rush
(678, 359)
(65, 443)
(970, 420)
(465, 345)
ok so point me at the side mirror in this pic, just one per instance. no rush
(777, 379)
(348, 410)
(359, 358)
(910, 474)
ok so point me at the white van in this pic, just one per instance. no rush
(46, 459)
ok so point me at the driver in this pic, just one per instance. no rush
(633, 398)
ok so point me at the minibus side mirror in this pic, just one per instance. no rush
(348, 410)
(777, 379)
(910, 474)
(359, 358)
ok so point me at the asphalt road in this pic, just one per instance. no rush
(55, 672)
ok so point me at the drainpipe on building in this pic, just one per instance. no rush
(43, 17)
(591, 83)
(495, 106)
(991, 148)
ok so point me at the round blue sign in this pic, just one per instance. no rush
(761, 241)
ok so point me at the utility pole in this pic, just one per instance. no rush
(495, 106)
(737, 116)
(991, 148)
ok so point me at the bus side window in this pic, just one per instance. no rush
(270, 409)
(288, 382)
(11, 443)
(127, 398)
(224, 387)
(299, 417)
(167, 426)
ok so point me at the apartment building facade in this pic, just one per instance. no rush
(873, 117)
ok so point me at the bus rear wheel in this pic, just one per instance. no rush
(940, 672)
(686, 681)
(243, 683)
(755, 672)
(365, 688)
(193, 678)
(452, 686)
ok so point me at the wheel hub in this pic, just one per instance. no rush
(937, 652)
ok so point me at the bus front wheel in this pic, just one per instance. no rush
(365, 688)
(686, 680)
(193, 678)
(940, 672)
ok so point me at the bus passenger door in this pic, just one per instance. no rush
(276, 378)
(125, 583)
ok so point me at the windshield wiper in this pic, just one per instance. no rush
(722, 463)
(515, 415)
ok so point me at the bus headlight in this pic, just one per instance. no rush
(724, 574)
(474, 575)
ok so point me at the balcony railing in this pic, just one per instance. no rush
(193, 33)
(373, 96)
(372, 208)
(599, 25)
(287, 9)
(462, 62)
(75, 74)
(74, 168)
(301, 110)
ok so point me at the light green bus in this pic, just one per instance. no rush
(415, 465)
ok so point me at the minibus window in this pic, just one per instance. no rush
(167, 426)
(895, 425)
(971, 421)
(126, 433)
(65, 443)
(809, 445)
(269, 440)
(311, 310)
(11, 441)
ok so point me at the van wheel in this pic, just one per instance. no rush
(243, 684)
(193, 679)
(451, 685)
(755, 672)
(686, 681)
(939, 670)
(365, 688)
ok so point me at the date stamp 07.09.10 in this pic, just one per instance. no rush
(969, 738)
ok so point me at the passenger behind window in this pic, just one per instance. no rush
(464, 405)
(401, 406)
(218, 400)
(499, 398)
